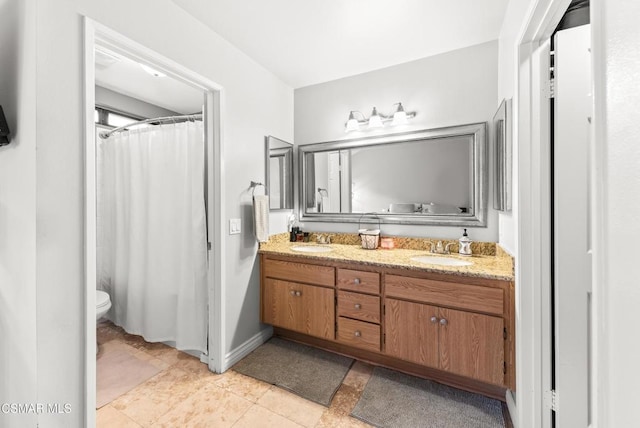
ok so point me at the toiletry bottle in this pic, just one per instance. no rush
(465, 244)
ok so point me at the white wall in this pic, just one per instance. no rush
(454, 88)
(43, 229)
(18, 212)
(126, 104)
(510, 34)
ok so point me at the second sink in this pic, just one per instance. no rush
(442, 261)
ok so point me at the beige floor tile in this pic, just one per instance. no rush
(258, 416)
(194, 366)
(243, 386)
(358, 375)
(345, 400)
(330, 419)
(291, 406)
(106, 332)
(209, 407)
(149, 401)
(108, 417)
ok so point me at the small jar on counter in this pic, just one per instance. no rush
(387, 243)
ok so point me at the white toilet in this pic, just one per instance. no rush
(103, 303)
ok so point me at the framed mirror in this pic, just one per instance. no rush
(435, 176)
(501, 132)
(279, 173)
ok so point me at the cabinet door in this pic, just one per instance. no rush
(304, 308)
(410, 332)
(472, 345)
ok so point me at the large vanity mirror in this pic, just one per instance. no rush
(435, 176)
(279, 173)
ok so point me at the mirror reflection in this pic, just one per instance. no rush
(279, 173)
(430, 176)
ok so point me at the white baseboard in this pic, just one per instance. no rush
(246, 348)
(513, 411)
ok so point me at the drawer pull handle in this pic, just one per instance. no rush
(356, 281)
(357, 333)
(443, 321)
(434, 319)
(293, 293)
(357, 306)
(298, 293)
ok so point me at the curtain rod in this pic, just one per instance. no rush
(153, 120)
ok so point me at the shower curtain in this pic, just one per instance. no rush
(152, 232)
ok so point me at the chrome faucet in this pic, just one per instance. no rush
(323, 239)
(440, 249)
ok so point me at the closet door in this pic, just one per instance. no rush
(571, 252)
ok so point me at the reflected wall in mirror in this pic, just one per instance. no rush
(425, 177)
(502, 156)
(279, 173)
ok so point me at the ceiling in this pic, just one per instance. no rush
(123, 75)
(305, 42)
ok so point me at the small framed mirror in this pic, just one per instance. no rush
(501, 131)
(279, 173)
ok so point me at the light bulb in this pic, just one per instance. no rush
(352, 123)
(375, 121)
(399, 117)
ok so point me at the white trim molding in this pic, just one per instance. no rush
(213, 97)
(246, 348)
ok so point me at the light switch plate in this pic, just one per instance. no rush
(235, 226)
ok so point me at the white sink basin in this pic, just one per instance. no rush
(442, 261)
(311, 249)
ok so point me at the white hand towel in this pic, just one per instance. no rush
(261, 217)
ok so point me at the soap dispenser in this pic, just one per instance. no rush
(465, 244)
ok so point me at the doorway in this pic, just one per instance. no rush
(552, 231)
(98, 35)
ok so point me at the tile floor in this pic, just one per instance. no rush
(186, 394)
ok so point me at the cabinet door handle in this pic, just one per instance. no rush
(357, 306)
(357, 333)
(292, 292)
(298, 293)
(434, 319)
(356, 281)
(443, 321)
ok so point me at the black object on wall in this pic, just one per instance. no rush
(4, 129)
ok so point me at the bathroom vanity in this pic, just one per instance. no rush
(453, 324)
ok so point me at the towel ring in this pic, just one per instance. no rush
(255, 184)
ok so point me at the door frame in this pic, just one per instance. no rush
(214, 109)
(530, 404)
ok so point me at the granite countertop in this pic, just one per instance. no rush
(491, 261)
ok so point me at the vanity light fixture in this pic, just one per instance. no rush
(377, 120)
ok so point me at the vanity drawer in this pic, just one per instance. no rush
(300, 272)
(359, 306)
(360, 281)
(359, 334)
(473, 297)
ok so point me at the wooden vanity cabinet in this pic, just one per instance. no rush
(358, 303)
(460, 342)
(454, 329)
(305, 305)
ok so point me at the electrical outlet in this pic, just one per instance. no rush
(235, 226)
